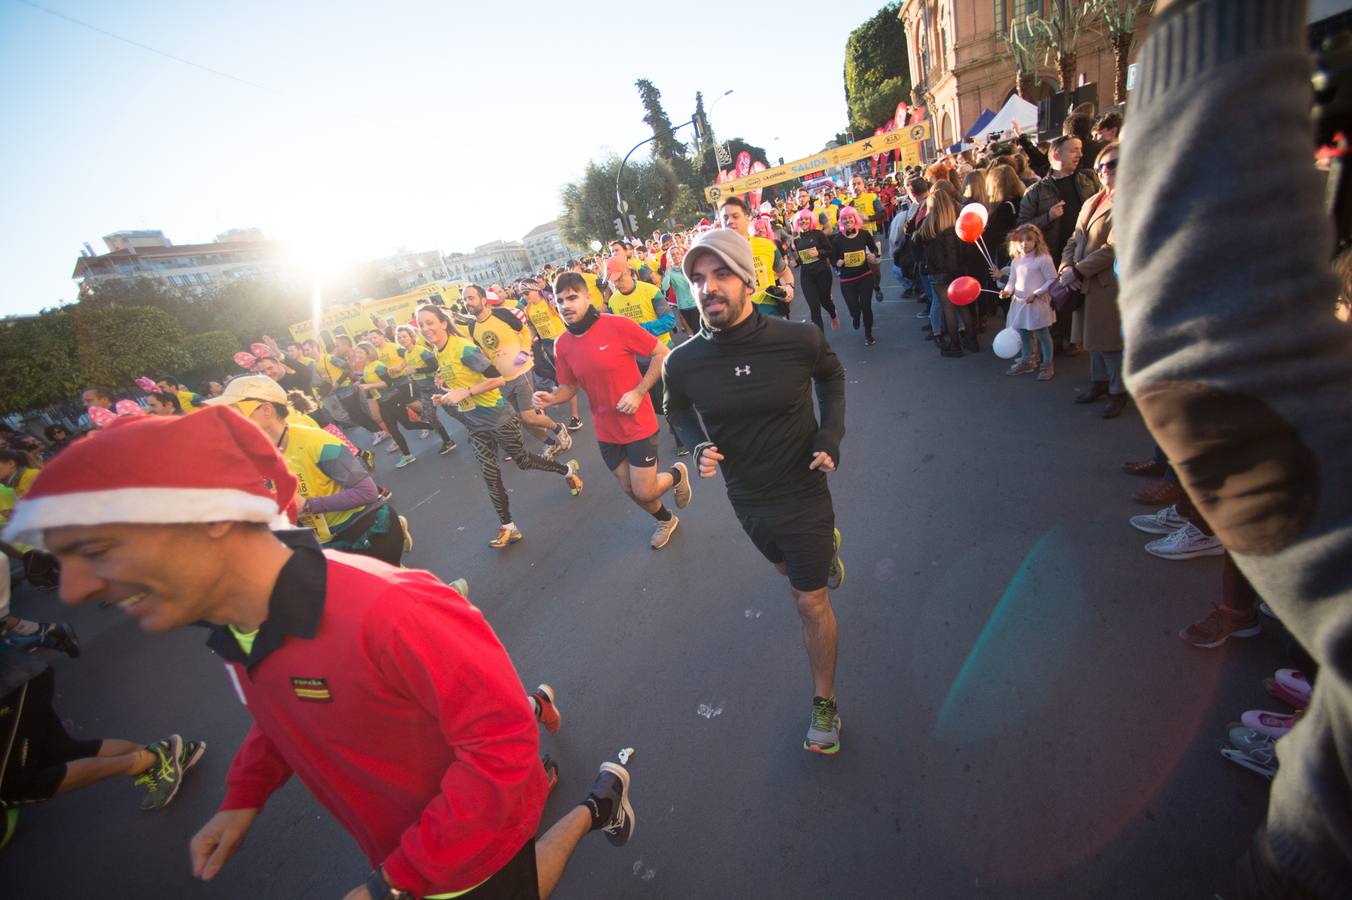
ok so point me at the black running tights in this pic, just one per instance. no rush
(816, 283)
(858, 295)
(509, 438)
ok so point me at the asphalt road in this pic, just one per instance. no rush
(1019, 719)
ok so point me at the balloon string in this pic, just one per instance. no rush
(981, 245)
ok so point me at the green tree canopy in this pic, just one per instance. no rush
(877, 76)
(42, 363)
(118, 343)
(209, 355)
(650, 188)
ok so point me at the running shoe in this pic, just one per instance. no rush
(461, 586)
(424, 434)
(1022, 368)
(663, 532)
(446, 447)
(1263, 765)
(823, 730)
(1147, 468)
(164, 776)
(1221, 624)
(56, 636)
(10, 825)
(1166, 521)
(380, 436)
(405, 460)
(683, 491)
(368, 459)
(612, 786)
(1185, 543)
(1248, 741)
(546, 710)
(574, 423)
(391, 447)
(1159, 493)
(562, 435)
(870, 340)
(408, 534)
(551, 771)
(192, 752)
(836, 576)
(1279, 690)
(507, 534)
(1270, 723)
(573, 477)
(1295, 685)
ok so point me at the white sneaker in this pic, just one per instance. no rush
(1166, 521)
(380, 436)
(564, 437)
(1185, 543)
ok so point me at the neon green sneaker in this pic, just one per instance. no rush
(823, 731)
(164, 776)
(10, 825)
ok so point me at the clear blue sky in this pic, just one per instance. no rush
(418, 124)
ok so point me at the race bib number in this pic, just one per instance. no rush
(762, 276)
(808, 255)
(854, 258)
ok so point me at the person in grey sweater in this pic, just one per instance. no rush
(1242, 373)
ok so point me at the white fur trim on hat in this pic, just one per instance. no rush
(136, 506)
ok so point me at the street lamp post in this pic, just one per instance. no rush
(625, 220)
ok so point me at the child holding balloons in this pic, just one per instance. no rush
(1031, 273)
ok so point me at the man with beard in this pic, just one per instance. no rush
(600, 354)
(749, 377)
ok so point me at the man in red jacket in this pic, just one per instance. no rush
(383, 689)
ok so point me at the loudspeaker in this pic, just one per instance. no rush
(1051, 112)
(1085, 93)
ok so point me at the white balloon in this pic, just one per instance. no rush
(977, 208)
(1007, 343)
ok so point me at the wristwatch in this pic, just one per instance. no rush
(379, 889)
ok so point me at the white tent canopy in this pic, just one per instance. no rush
(1016, 109)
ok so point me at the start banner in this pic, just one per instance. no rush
(908, 135)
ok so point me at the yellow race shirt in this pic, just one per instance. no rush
(462, 365)
(867, 204)
(763, 258)
(369, 376)
(505, 340)
(306, 448)
(598, 299)
(545, 319)
(639, 304)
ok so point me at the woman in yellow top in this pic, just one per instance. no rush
(472, 389)
(545, 322)
(379, 383)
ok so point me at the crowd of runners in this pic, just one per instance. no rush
(280, 537)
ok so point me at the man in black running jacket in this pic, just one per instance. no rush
(750, 378)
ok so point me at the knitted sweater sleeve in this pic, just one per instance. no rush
(1237, 363)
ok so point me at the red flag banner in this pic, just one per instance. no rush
(743, 164)
(755, 195)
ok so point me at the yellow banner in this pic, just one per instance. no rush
(902, 139)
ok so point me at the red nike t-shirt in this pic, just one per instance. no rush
(602, 363)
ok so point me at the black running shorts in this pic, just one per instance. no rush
(518, 880)
(801, 536)
(641, 454)
(36, 744)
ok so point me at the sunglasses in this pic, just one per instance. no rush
(1108, 166)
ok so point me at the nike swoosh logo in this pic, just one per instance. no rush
(649, 458)
(603, 346)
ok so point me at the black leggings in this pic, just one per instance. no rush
(858, 295)
(39, 747)
(509, 438)
(393, 406)
(357, 413)
(816, 283)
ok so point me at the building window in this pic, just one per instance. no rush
(205, 277)
(176, 280)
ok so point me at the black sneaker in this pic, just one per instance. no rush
(61, 637)
(164, 776)
(612, 783)
(574, 423)
(447, 447)
(870, 340)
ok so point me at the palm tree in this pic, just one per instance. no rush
(1118, 27)
(1021, 48)
(1059, 32)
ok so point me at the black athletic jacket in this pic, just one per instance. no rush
(752, 387)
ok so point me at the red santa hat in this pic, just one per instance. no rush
(214, 466)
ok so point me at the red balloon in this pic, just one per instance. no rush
(964, 290)
(970, 227)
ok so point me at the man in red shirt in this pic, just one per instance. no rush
(382, 688)
(599, 354)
